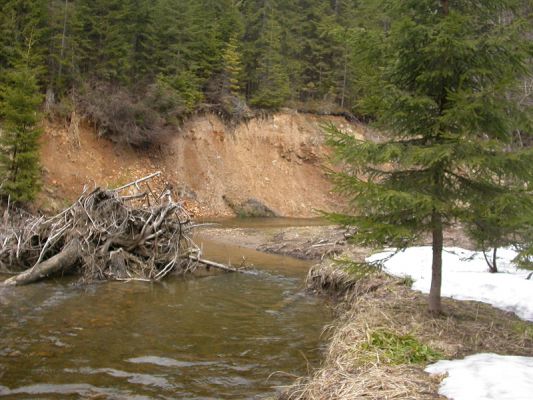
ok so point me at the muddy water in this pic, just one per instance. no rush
(229, 336)
(261, 223)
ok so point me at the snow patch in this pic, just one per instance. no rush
(465, 276)
(486, 376)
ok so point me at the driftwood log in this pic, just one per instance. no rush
(129, 233)
(62, 261)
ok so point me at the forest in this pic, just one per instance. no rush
(156, 62)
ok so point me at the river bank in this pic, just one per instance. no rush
(305, 239)
(383, 337)
(214, 169)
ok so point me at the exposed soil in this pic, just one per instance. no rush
(277, 161)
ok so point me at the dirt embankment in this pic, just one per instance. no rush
(276, 161)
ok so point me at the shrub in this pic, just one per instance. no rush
(119, 116)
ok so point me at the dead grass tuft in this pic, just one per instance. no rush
(340, 277)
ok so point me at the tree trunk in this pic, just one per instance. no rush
(63, 37)
(445, 7)
(344, 76)
(61, 261)
(493, 268)
(436, 267)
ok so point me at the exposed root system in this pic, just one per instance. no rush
(104, 235)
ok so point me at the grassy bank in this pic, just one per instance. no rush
(384, 337)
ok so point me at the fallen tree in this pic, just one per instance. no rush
(104, 235)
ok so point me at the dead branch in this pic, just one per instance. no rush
(106, 236)
(216, 265)
(136, 183)
(62, 261)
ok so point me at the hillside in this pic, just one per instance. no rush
(276, 160)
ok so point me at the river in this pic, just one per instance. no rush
(233, 336)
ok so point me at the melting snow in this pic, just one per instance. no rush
(486, 377)
(465, 276)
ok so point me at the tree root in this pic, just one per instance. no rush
(106, 235)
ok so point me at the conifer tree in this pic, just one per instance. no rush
(173, 25)
(19, 134)
(143, 35)
(270, 78)
(319, 54)
(445, 72)
(20, 20)
(103, 39)
(503, 221)
(232, 67)
(61, 48)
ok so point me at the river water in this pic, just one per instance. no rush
(233, 336)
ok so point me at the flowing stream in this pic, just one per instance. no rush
(234, 336)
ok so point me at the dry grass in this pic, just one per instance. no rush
(340, 277)
(355, 367)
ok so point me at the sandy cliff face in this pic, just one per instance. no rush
(276, 160)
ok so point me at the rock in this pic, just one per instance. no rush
(249, 208)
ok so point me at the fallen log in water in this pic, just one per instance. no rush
(64, 260)
(209, 264)
(104, 236)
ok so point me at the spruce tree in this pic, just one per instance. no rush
(142, 28)
(61, 49)
(270, 78)
(445, 69)
(19, 134)
(104, 40)
(20, 21)
(232, 67)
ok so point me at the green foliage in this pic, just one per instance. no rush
(504, 219)
(23, 22)
(267, 77)
(232, 67)
(395, 349)
(19, 147)
(524, 259)
(103, 39)
(265, 52)
(524, 329)
(444, 107)
(186, 90)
